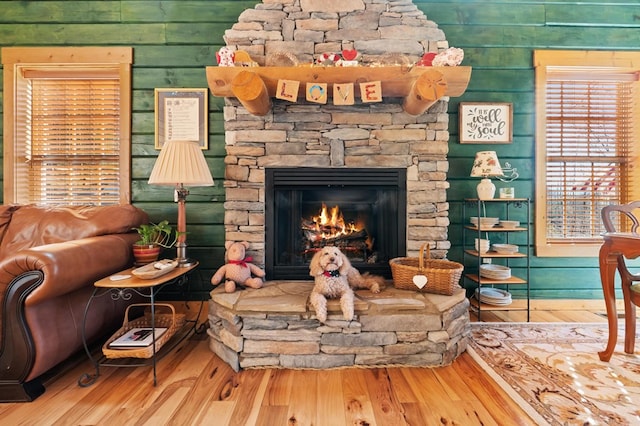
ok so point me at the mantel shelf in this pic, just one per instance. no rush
(421, 87)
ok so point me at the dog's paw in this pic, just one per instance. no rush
(375, 288)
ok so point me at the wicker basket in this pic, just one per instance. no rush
(443, 276)
(172, 321)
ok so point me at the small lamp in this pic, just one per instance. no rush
(486, 164)
(180, 164)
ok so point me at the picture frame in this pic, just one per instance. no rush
(181, 114)
(485, 122)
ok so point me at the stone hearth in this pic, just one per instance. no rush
(275, 327)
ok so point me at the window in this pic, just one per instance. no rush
(586, 145)
(67, 125)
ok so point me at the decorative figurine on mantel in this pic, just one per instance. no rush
(238, 271)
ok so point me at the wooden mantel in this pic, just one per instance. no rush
(420, 87)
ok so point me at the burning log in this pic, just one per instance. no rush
(330, 238)
(330, 228)
(338, 239)
(355, 235)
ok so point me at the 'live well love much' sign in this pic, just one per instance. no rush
(486, 122)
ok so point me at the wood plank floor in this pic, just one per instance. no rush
(197, 388)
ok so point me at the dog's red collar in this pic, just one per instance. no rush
(334, 274)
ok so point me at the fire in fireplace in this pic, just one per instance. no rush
(362, 211)
(330, 228)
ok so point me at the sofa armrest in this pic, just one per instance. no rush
(37, 276)
(68, 266)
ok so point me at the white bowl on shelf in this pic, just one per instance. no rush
(482, 245)
(509, 224)
(495, 272)
(485, 222)
(505, 248)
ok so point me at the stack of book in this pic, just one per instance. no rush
(137, 337)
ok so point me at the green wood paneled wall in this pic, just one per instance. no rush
(174, 40)
(498, 38)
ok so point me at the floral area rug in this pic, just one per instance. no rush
(553, 371)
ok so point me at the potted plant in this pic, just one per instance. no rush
(153, 238)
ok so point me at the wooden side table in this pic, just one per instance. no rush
(125, 289)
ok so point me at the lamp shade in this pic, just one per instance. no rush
(486, 164)
(181, 163)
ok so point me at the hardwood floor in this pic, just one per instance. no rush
(197, 388)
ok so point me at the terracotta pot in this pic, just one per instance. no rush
(146, 253)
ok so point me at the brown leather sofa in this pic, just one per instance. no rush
(49, 260)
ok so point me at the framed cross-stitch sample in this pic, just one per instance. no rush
(485, 122)
(181, 114)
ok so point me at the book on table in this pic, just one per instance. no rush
(137, 337)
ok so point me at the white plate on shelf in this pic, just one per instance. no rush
(496, 272)
(493, 296)
(485, 222)
(505, 248)
(509, 224)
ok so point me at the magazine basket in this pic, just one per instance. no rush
(443, 276)
(172, 321)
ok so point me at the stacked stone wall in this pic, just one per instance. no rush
(315, 135)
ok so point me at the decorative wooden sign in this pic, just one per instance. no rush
(486, 122)
(181, 114)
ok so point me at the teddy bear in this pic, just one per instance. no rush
(238, 270)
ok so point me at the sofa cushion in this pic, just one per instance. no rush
(33, 226)
(5, 217)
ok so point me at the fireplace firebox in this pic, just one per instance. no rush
(360, 210)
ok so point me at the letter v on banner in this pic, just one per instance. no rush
(343, 94)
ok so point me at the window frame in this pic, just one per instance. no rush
(115, 58)
(621, 62)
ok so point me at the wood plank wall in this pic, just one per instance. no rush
(174, 40)
(498, 37)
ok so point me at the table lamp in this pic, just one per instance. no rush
(180, 164)
(486, 164)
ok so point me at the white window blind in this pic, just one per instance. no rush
(589, 149)
(67, 137)
(72, 132)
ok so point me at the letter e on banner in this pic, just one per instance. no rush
(288, 90)
(371, 91)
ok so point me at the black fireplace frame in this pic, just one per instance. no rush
(308, 176)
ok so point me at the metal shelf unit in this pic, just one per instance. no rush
(505, 209)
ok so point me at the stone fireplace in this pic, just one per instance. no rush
(363, 135)
(272, 137)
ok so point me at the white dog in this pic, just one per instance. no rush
(334, 278)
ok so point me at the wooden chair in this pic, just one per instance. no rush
(623, 214)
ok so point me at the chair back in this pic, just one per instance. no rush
(613, 217)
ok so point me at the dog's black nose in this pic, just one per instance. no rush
(332, 259)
